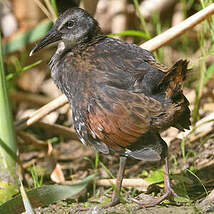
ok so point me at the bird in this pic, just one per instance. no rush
(121, 97)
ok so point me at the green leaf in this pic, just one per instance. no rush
(156, 176)
(45, 195)
(12, 75)
(22, 39)
(7, 190)
(209, 73)
(131, 33)
(53, 3)
(7, 140)
(180, 199)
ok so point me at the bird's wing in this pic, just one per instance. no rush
(126, 66)
(119, 118)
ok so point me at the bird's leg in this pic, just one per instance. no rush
(168, 190)
(167, 186)
(116, 194)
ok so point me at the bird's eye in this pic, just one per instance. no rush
(69, 24)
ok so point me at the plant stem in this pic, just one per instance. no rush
(7, 134)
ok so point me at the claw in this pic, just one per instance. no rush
(169, 192)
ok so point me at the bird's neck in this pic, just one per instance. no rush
(81, 44)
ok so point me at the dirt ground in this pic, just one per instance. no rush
(201, 160)
(52, 141)
(128, 209)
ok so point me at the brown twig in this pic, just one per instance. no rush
(202, 128)
(112, 182)
(51, 10)
(56, 170)
(40, 113)
(89, 5)
(43, 8)
(30, 98)
(126, 183)
(58, 129)
(207, 204)
(147, 8)
(118, 15)
(31, 140)
(150, 45)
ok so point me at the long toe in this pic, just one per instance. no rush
(154, 201)
(112, 203)
(95, 208)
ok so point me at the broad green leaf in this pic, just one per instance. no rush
(7, 190)
(156, 176)
(22, 39)
(45, 195)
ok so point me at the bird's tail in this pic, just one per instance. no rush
(172, 84)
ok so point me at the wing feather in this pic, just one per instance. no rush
(127, 119)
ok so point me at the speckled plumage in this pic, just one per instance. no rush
(121, 98)
(112, 88)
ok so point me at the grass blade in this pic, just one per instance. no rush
(131, 33)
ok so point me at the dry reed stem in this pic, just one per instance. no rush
(89, 5)
(179, 29)
(40, 113)
(43, 8)
(29, 98)
(58, 129)
(118, 16)
(126, 183)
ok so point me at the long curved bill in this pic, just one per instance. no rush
(51, 37)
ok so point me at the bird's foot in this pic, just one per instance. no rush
(108, 205)
(153, 202)
(112, 203)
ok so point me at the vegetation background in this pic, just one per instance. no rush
(49, 151)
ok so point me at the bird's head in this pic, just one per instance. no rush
(74, 27)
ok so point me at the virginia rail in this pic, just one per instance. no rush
(121, 98)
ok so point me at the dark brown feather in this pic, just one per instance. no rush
(121, 98)
(119, 94)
